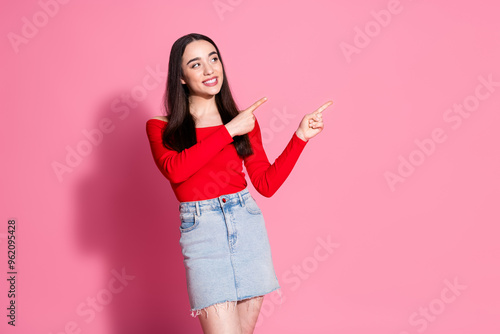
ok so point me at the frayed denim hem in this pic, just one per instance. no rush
(228, 303)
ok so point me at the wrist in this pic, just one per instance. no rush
(229, 129)
(301, 135)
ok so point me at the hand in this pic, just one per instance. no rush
(244, 122)
(312, 123)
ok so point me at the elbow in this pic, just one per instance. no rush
(173, 174)
(176, 177)
(267, 192)
(264, 187)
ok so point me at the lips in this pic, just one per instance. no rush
(211, 82)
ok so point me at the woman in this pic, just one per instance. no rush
(200, 147)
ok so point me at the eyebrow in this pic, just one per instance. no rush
(198, 58)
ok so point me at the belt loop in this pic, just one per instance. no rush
(242, 203)
(198, 208)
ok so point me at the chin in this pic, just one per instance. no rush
(214, 91)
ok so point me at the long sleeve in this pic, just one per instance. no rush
(267, 178)
(179, 166)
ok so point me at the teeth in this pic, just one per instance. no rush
(210, 81)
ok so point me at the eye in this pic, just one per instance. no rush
(196, 64)
(215, 59)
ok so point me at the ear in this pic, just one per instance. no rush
(183, 81)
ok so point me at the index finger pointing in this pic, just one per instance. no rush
(324, 106)
(257, 104)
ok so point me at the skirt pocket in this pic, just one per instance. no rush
(189, 221)
(252, 206)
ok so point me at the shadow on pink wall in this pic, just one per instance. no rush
(128, 215)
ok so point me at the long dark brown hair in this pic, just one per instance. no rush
(180, 131)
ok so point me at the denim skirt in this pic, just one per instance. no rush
(226, 250)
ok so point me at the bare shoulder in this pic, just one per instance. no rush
(161, 118)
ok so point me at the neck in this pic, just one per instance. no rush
(201, 107)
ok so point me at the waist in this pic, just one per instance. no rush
(236, 198)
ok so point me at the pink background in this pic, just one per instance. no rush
(397, 249)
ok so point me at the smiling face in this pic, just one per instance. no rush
(202, 69)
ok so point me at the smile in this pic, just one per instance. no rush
(211, 82)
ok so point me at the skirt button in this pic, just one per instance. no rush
(224, 200)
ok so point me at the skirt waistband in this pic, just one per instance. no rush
(216, 202)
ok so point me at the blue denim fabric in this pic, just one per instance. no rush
(226, 250)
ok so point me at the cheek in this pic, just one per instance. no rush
(221, 72)
(191, 78)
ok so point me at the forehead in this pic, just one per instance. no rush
(199, 48)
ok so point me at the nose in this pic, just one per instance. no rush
(209, 69)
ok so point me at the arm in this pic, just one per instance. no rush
(179, 166)
(265, 177)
